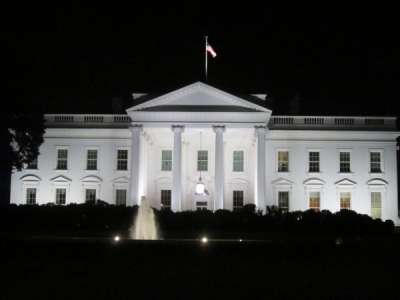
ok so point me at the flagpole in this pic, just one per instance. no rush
(206, 61)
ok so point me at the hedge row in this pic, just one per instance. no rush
(103, 220)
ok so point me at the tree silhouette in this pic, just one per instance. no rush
(21, 134)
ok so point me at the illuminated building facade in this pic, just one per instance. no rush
(199, 147)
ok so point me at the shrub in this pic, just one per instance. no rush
(101, 219)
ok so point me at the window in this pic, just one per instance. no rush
(238, 199)
(166, 160)
(61, 196)
(166, 199)
(345, 162)
(375, 162)
(122, 160)
(283, 201)
(345, 200)
(120, 197)
(91, 163)
(90, 195)
(283, 161)
(33, 164)
(238, 161)
(315, 200)
(376, 205)
(31, 196)
(313, 162)
(201, 205)
(202, 160)
(62, 159)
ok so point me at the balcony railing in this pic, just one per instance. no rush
(70, 120)
(335, 122)
(275, 122)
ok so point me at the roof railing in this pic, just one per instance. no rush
(332, 122)
(275, 122)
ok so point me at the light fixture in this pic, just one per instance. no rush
(200, 186)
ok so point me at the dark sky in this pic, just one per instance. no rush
(78, 58)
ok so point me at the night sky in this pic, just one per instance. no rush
(77, 59)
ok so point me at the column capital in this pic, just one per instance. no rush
(260, 129)
(138, 127)
(177, 128)
(218, 128)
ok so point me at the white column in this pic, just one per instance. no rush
(135, 163)
(219, 167)
(260, 181)
(176, 201)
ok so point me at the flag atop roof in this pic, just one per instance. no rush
(210, 50)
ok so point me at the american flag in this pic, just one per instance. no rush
(210, 50)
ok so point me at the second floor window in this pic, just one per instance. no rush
(202, 160)
(166, 160)
(345, 162)
(375, 162)
(313, 161)
(91, 163)
(238, 161)
(122, 160)
(283, 161)
(62, 159)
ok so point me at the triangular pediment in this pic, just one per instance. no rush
(282, 181)
(199, 97)
(345, 182)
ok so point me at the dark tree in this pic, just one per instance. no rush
(21, 134)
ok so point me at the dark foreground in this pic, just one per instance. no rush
(102, 269)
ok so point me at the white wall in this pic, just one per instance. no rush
(298, 143)
(329, 145)
(77, 141)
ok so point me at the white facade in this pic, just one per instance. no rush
(247, 156)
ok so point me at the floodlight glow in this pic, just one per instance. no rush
(240, 240)
(116, 238)
(200, 188)
(204, 240)
(338, 241)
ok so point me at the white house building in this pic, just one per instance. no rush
(165, 146)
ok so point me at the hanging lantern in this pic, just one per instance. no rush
(200, 187)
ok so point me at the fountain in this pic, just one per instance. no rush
(144, 227)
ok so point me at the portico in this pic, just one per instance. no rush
(203, 128)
